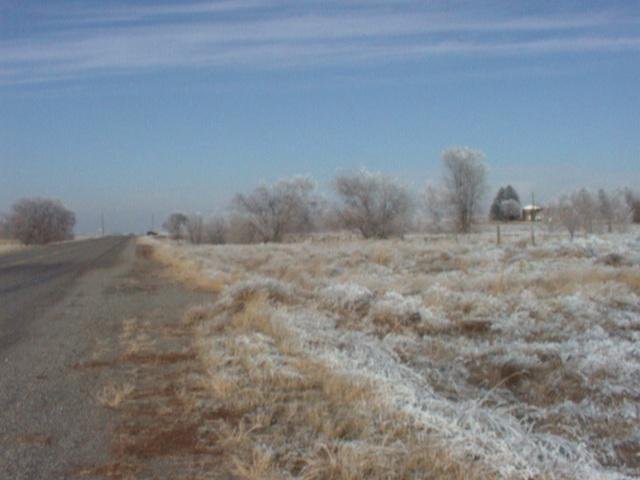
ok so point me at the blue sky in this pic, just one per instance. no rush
(134, 108)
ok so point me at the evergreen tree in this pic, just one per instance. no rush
(504, 194)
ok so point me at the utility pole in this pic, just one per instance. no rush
(153, 222)
(102, 224)
(533, 218)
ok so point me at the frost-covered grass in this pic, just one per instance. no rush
(516, 361)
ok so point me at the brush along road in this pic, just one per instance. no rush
(62, 306)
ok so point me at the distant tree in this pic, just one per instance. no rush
(40, 221)
(613, 211)
(4, 227)
(633, 202)
(175, 225)
(271, 211)
(497, 212)
(216, 230)
(563, 212)
(586, 207)
(195, 228)
(377, 205)
(605, 209)
(436, 206)
(465, 180)
(510, 210)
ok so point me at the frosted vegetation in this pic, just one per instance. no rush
(522, 361)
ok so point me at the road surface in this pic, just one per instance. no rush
(32, 280)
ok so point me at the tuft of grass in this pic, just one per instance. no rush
(112, 395)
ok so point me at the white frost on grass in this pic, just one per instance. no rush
(531, 363)
(346, 296)
(473, 430)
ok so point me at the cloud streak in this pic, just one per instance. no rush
(252, 34)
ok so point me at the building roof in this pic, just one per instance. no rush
(532, 207)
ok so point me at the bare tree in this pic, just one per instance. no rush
(195, 228)
(4, 226)
(612, 210)
(586, 208)
(175, 225)
(436, 206)
(40, 221)
(633, 202)
(216, 230)
(377, 205)
(605, 209)
(271, 211)
(564, 212)
(465, 180)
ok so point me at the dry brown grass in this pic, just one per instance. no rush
(112, 470)
(182, 269)
(567, 282)
(314, 422)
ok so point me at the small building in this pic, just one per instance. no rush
(532, 213)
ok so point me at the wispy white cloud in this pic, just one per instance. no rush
(188, 37)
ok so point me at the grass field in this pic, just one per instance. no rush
(429, 357)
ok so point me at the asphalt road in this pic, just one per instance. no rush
(54, 313)
(32, 280)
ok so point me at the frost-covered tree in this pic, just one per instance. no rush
(497, 212)
(436, 206)
(613, 211)
(564, 213)
(40, 221)
(377, 205)
(175, 225)
(605, 209)
(586, 207)
(510, 210)
(465, 180)
(271, 211)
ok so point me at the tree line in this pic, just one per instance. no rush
(374, 204)
(380, 206)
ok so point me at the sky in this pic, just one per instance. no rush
(137, 109)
